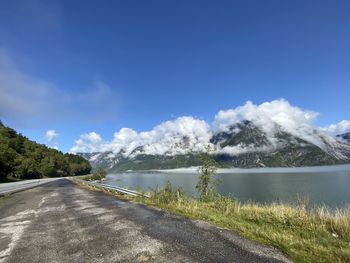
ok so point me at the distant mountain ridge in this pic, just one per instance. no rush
(243, 144)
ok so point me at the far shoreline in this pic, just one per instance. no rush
(306, 169)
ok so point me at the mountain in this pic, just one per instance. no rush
(24, 159)
(243, 144)
(345, 137)
(247, 145)
(117, 162)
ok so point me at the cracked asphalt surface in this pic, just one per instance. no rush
(62, 222)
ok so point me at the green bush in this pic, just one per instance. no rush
(98, 175)
(167, 194)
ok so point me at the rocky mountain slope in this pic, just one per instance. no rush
(345, 137)
(243, 144)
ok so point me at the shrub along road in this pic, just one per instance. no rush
(61, 222)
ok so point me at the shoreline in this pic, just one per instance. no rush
(306, 169)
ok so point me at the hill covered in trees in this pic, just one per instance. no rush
(25, 159)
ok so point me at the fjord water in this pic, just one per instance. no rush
(328, 185)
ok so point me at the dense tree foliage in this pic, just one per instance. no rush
(24, 159)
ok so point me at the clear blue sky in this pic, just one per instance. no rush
(82, 66)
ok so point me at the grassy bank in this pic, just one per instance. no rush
(303, 235)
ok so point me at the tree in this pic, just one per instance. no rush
(7, 155)
(27, 169)
(205, 185)
(77, 164)
(24, 159)
(47, 167)
(99, 174)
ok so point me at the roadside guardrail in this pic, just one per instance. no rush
(113, 188)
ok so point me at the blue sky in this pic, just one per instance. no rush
(97, 66)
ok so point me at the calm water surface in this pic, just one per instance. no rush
(328, 185)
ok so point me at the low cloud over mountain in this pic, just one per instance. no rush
(269, 120)
(165, 138)
(338, 128)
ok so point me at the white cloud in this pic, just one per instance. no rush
(278, 111)
(89, 142)
(187, 134)
(338, 128)
(125, 140)
(291, 119)
(92, 137)
(241, 149)
(51, 135)
(178, 136)
(51, 138)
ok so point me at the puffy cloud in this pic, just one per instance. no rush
(93, 137)
(338, 128)
(89, 142)
(278, 111)
(51, 135)
(294, 120)
(187, 134)
(178, 136)
(51, 138)
(125, 140)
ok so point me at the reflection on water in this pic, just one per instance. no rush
(328, 185)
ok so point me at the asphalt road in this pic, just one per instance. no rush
(9, 188)
(61, 222)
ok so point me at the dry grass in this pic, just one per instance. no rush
(318, 235)
(303, 235)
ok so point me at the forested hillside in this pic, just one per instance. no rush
(25, 159)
